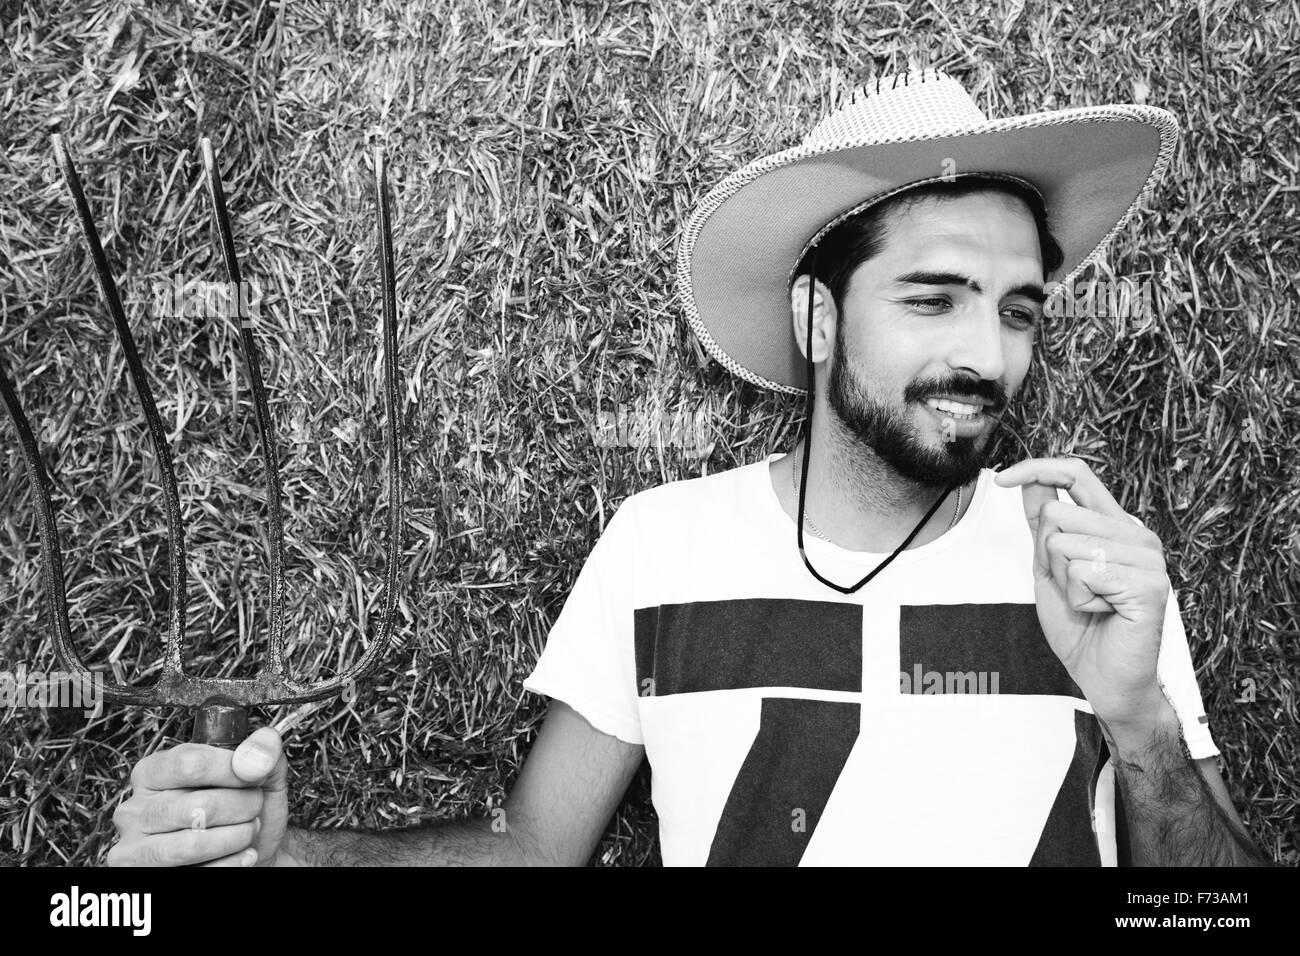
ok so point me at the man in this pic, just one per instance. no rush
(872, 650)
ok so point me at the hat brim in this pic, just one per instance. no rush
(1093, 165)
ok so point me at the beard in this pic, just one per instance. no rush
(896, 439)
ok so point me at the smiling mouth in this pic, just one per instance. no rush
(958, 411)
(961, 426)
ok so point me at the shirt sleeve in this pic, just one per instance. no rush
(589, 660)
(1178, 680)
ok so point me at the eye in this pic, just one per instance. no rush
(1024, 315)
(930, 306)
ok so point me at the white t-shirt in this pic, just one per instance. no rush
(923, 720)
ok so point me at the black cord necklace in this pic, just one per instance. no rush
(803, 481)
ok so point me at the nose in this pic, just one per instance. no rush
(977, 343)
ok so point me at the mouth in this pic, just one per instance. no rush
(966, 418)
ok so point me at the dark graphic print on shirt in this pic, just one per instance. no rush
(802, 745)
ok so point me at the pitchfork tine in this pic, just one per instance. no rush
(175, 525)
(222, 702)
(262, 414)
(392, 390)
(56, 601)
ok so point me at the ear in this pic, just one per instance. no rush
(823, 318)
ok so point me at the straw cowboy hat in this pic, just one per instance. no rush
(1092, 166)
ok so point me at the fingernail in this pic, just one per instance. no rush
(248, 857)
(259, 761)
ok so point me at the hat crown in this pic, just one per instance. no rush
(916, 104)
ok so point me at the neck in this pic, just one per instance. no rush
(858, 500)
(860, 485)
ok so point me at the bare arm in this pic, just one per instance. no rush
(1176, 811)
(568, 788)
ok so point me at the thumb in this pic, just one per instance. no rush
(260, 760)
(258, 757)
(1033, 496)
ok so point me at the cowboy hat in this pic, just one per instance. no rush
(1092, 166)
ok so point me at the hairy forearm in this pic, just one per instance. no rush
(460, 843)
(1172, 816)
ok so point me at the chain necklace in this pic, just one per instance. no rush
(794, 483)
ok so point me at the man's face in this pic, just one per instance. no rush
(949, 307)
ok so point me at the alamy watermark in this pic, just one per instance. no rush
(1121, 298)
(182, 297)
(921, 681)
(632, 427)
(76, 908)
(55, 689)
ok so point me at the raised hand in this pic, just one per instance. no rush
(1100, 586)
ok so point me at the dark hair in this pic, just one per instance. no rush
(861, 236)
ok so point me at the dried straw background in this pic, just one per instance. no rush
(544, 156)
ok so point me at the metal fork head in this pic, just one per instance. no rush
(222, 702)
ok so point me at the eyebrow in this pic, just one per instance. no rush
(1029, 290)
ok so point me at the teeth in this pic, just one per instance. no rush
(956, 408)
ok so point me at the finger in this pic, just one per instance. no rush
(278, 781)
(1056, 563)
(256, 758)
(1078, 595)
(1065, 516)
(275, 817)
(185, 847)
(1074, 593)
(1034, 497)
(170, 810)
(1122, 541)
(1072, 474)
(186, 766)
(1136, 594)
(246, 858)
(1066, 546)
(1062, 548)
(117, 855)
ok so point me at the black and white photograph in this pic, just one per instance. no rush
(651, 433)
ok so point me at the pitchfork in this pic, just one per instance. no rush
(222, 703)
